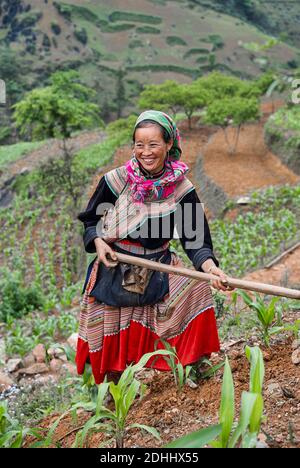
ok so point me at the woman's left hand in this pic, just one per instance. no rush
(218, 284)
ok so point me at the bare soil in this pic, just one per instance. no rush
(175, 413)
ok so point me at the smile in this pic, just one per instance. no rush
(149, 160)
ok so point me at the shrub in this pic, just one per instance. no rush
(147, 30)
(127, 16)
(56, 28)
(175, 40)
(81, 35)
(16, 299)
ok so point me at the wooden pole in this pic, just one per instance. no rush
(233, 282)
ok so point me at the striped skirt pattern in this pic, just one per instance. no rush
(112, 337)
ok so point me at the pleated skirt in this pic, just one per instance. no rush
(110, 338)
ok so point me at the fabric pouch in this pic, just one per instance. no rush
(127, 286)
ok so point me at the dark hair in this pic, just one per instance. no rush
(148, 123)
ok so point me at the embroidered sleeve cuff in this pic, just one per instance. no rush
(201, 256)
(89, 235)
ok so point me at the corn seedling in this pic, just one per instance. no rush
(199, 373)
(12, 432)
(113, 423)
(180, 373)
(266, 314)
(227, 434)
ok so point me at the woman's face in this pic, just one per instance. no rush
(150, 148)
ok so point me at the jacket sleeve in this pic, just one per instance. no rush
(198, 247)
(90, 218)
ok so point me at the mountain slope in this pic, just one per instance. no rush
(119, 44)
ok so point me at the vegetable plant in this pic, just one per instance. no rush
(228, 434)
(268, 316)
(180, 373)
(112, 422)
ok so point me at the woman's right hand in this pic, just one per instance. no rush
(104, 251)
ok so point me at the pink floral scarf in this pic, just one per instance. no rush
(154, 189)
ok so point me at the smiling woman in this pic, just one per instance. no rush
(151, 145)
(126, 308)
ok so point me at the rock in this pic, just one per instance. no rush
(296, 344)
(267, 355)
(2, 351)
(296, 356)
(261, 445)
(72, 340)
(70, 368)
(5, 382)
(14, 364)
(191, 384)
(39, 353)
(55, 351)
(243, 201)
(38, 368)
(56, 365)
(28, 360)
(45, 380)
(274, 390)
(287, 392)
(51, 352)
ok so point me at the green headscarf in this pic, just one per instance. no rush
(168, 123)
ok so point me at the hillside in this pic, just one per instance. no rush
(119, 46)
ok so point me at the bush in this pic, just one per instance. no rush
(16, 299)
(127, 16)
(175, 40)
(81, 35)
(56, 28)
(147, 30)
(191, 52)
(46, 41)
(135, 43)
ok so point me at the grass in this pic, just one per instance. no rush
(11, 153)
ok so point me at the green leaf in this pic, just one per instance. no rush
(247, 405)
(180, 372)
(131, 394)
(102, 390)
(149, 429)
(257, 368)
(196, 439)
(227, 404)
(257, 413)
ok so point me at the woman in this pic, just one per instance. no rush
(126, 309)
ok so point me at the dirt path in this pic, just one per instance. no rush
(284, 273)
(252, 167)
(51, 149)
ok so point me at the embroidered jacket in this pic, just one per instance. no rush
(107, 192)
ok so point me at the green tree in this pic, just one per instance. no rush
(191, 98)
(120, 94)
(56, 111)
(220, 86)
(234, 111)
(163, 97)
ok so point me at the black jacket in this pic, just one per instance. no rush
(198, 255)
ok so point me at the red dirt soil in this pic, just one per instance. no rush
(175, 414)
